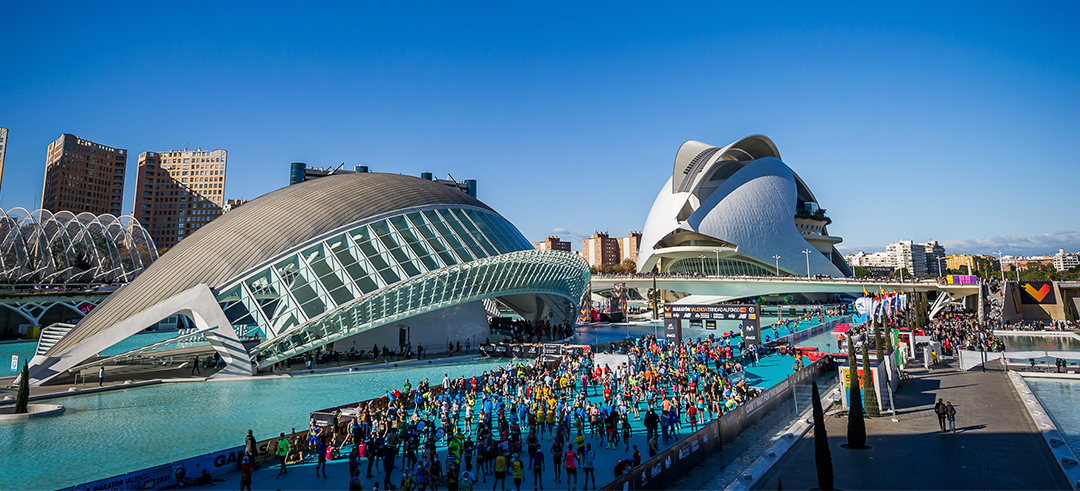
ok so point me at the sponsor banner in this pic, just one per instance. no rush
(1037, 292)
(14, 363)
(169, 475)
(699, 315)
(672, 328)
(85, 307)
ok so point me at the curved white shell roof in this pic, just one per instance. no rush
(741, 194)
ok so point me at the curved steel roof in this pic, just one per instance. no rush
(260, 230)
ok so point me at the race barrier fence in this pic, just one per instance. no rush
(662, 470)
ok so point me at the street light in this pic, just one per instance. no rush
(702, 257)
(777, 258)
(939, 271)
(807, 252)
(717, 251)
(1001, 268)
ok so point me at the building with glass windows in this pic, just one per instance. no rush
(737, 210)
(354, 259)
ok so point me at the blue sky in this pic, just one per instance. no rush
(920, 121)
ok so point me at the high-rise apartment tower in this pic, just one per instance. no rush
(178, 192)
(81, 175)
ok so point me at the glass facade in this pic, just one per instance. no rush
(386, 269)
(728, 267)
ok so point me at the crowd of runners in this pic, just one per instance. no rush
(529, 422)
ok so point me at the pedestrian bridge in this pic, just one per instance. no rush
(714, 289)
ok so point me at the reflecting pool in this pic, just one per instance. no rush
(125, 430)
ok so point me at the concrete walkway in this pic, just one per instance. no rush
(996, 445)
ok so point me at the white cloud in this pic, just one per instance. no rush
(1025, 245)
(558, 230)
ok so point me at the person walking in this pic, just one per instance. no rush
(570, 462)
(195, 366)
(320, 455)
(247, 466)
(251, 448)
(941, 412)
(100, 376)
(587, 466)
(282, 453)
(538, 468)
(950, 414)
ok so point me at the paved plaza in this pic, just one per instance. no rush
(996, 445)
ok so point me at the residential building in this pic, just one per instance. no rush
(83, 176)
(907, 255)
(1064, 261)
(600, 250)
(628, 246)
(935, 258)
(552, 243)
(179, 191)
(3, 150)
(973, 263)
(232, 204)
(871, 260)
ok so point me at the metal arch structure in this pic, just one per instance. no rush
(555, 273)
(42, 247)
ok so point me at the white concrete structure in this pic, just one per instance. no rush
(732, 210)
(361, 257)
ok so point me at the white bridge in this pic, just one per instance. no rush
(715, 289)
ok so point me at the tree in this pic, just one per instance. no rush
(879, 347)
(870, 401)
(23, 397)
(822, 455)
(860, 272)
(1070, 309)
(856, 426)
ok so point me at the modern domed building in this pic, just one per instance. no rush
(361, 258)
(730, 210)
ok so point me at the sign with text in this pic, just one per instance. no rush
(672, 328)
(748, 315)
(14, 363)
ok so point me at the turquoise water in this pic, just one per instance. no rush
(1060, 398)
(110, 433)
(1036, 343)
(25, 349)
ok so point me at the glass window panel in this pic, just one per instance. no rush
(363, 238)
(301, 284)
(416, 244)
(473, 228)
(445, 234)
(492, 231)
(463, 234)
(432, 239)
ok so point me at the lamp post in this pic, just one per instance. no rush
(702, 257)
(717, 251)
(939, 271)
(807, 252)
(777, 258)
(1001, 267)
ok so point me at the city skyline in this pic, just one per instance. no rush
(897, 121)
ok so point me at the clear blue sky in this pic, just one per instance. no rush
(940, 120)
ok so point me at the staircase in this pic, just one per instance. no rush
(51, 335)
